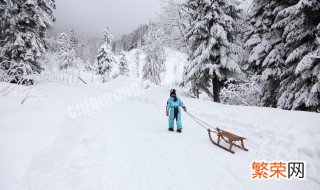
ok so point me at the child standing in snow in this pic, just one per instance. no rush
(173, 111)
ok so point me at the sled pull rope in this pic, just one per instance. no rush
(202, 123)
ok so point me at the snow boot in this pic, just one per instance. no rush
(179, 130)
(170, 129)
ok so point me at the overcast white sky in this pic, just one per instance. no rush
(91, 16)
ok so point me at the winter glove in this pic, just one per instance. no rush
(167, 112)
(184, 108)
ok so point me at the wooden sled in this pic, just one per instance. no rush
(231, 139)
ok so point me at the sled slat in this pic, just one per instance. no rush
(232, 138)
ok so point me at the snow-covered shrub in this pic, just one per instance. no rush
(242, 92)
(18, 72)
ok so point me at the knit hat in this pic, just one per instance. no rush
(173, 92)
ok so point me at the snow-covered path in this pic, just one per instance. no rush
(127, 146)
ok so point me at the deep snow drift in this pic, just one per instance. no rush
(126, 145)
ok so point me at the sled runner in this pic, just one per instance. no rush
(228, 138)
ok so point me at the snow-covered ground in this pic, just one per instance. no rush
(126, 145)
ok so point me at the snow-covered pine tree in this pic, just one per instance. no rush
(318, 34)
(105, 59)
(66, 55)
(5, 14)
(266, 54)
(83, 47)
(22, 33)
(155, 57)
(92, 49)
(73, 40)
(300, 85)
(123, 65)
(137, 62)
(212, 34)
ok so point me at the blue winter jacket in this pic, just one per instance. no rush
(171, 105)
